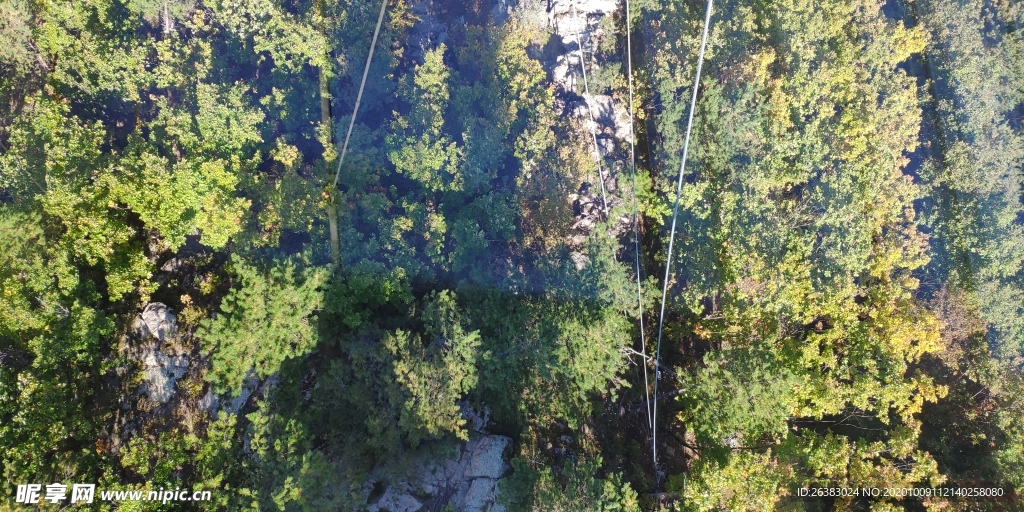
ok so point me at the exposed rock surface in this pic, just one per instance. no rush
(396, 502)
(468, 481)
(428, 32)
(575, 23)
(157, 321)
(486, 458)
(162, 362)
(162, 371)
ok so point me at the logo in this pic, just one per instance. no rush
(55, 493)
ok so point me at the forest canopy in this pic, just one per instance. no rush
(197, 293)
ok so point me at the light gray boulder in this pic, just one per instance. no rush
(397, 502)
(481, 495)
(468, 480)
(161, 372)
(488, 457)
(162, 364)
(157, 322)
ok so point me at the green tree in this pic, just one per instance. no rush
(973, 179)
(268, 27)
(575, 487)
(402, 386)
(435, 372)
(798, 241)
(17, 54)
(425, 153)
(745, 481)
(287, 472)
(266, 318)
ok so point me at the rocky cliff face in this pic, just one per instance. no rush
(163, 362)
(578, 31)
(468, 481)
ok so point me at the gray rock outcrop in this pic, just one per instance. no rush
(157, 322)
(577, 29)
(162, 363)
(468, 481)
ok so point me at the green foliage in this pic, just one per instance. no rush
(741, 394)
(973, 432)
(211, 457)
(575, 487)
(401, 387)
(16, 54)
(546, 357)
(426, 154)
(51, 343)
(119, 143)
(287, 202)
(745, 481)
(29, 273)
(356, 293)
(973, 178)
(267, 317)
(98, 198)
(970, 175)
(45, 430)
(435, 372)
(1010, 456)
(286, 472)
(798, 246)
(269, 28)
(806, 350)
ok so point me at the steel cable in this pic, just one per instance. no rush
(672, 233)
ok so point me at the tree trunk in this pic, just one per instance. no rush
(332, 209)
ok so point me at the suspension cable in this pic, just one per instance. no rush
(636, 216)
(593, 124)
(672, 231)
(359, 96)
